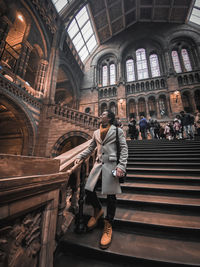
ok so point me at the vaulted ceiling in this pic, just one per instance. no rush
(113, 16)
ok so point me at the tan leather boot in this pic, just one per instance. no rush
(92, 223)
(106, 238)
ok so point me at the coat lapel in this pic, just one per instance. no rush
(98, 138)
(110, 132)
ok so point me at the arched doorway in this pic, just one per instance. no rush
(103, 108)
(197, 99)
(152, 106)
(132, 109)
(33, 64)
(65, 95)
(162, 101)
(13, 45)
(186, 100)
(113, 108)
(16, 132)
(141, 107)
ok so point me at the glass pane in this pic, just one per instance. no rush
(87, 31)
(78, 41)
(197, 3)
(91, 43)
(176, 62)
(142, 64)
(186, 60)
(195, 19)
(59, 4)
(105, 76)
(73, 29)
(130, 73)
(83, 53)
(112, 74)
(155, 69)
(196, 12)
(82, 17)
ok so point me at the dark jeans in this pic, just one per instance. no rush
(92, 199)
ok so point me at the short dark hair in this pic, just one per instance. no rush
(111, 116)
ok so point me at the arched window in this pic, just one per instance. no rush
(176, 61)
(142, 68)
(155, 69)
(130, 73)
(186, 59)
(105, 75)
(112, 74)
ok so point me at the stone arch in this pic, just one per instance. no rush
(59, 146)
(20, 126)
(186, 100)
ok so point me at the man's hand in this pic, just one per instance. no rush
(77, 161)
(119, 172)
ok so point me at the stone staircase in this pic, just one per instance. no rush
(158, 215)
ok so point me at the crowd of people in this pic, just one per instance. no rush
(184, 126)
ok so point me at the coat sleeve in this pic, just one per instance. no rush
(123, 151)
(88, 150)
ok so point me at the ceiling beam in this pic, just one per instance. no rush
(108, 17)
(170, 10)
(123, 14)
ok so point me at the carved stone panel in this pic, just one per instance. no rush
(20, 241)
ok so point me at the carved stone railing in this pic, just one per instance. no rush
(78, 174)
(73, 116)
(18, 92)
(108, 91)
(188, 78)
(146, 85)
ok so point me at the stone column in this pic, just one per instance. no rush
(169, 63)
(158, 109)
(4, 28)
(136, 109)
(23, 60)
(147, 109)
(39, 83)
(193, 103)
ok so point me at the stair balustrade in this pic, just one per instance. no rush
(74, 116)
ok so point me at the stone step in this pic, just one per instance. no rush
(165, 164)
(130, 249)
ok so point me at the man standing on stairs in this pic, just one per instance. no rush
(106, 161)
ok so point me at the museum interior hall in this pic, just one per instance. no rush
(62, 64)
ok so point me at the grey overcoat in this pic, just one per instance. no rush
(106, 160)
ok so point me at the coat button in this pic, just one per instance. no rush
(102, 162)
(103, 153)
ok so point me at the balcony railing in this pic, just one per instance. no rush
(74, 116)
(188, 78)
(146, 85)
(108, 91)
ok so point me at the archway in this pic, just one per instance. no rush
(16, 132)
(132, 109)
(197, 99)
(186, 100)
(13, 45)
(64, 90)
(68, 141)
(152, 106)
(31, 71)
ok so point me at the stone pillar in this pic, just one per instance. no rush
(158, 109)
(52, 71)
(169, 63)
(193, 103)
(23, 60)
(4, 28)
(39, 83)
(147, 109)
(121, 101)
(137, 113)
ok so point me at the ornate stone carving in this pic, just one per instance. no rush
(48, 17)
(20, 241)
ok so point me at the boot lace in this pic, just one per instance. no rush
(107, 228)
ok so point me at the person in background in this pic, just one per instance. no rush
(143, 127)
(106, 161)
(187, 122)
(132, 129)
(197, 123)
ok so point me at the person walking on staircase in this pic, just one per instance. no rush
(106, 161)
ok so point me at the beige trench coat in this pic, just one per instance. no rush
(106, 160)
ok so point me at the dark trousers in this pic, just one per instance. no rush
(92, 199)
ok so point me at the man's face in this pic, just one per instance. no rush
(104, 118)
